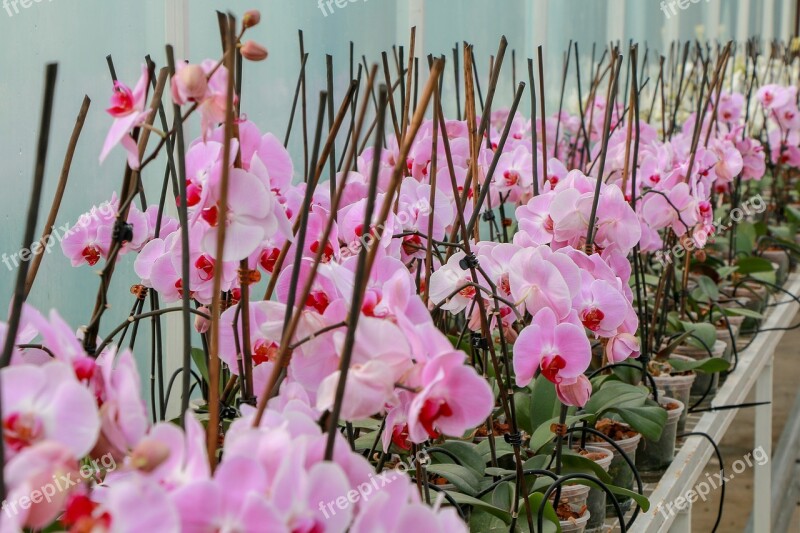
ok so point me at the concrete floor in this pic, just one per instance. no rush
(738, 442)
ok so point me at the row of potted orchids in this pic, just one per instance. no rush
(523, 310)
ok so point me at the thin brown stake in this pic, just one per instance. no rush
(212, 436)
(59, 194)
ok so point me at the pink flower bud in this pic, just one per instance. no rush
(251, 18)
(253, 51)
(201, 323)
(149, 454)
(576, 393)
(621, 347)
(189, 84)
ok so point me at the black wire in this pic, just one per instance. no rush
(568, 477)
(172, 380)
(721, 471)
(639, 484)
(447, 497)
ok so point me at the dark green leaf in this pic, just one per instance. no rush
(466, 452)
(522, 400)
(743, 311)
(649, 420)
(199, 358)
(674, 344)
(503, 495)
(615, 394)
(501, 447)
(750, 265)
(708, 287)
(536, 500)
(745, 237)
(709, 365)
(544, 402)
(483, 521)
(475, 503)
(703, 334)
(464, 479)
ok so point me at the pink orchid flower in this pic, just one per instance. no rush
(534, 218)
(600, 305)
(47, 403)
(235, 500)
(31, 470)
(128, 109)
(397, 508)
(131, 504)
(774, 96)
(123, 415)
(186, 461)
(538, 283)
(454, 398)
(560, 350)
(452, 278)
(513, 177)
(250, 217)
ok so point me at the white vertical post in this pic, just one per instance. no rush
(787, 17)
(416, 17)
(712, 22)
(615, 23)
(683, 521)
(768, 22)
(743, 21)
(407, 15)
(176, 33)
(176, 18)
(536, 14)
(671, 28)
(762, 473)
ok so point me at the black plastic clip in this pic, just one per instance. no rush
(478, 341)
(488, 216)
(514, 439)
(123, 232)
(228, 412)
(468, 261)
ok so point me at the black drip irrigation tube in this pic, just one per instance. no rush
(563, 479)
(584, 429)
(721, 471)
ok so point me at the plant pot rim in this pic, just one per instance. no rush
(605, 462)
(577, 521)
(674, 414)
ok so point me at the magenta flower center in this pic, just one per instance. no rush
(20, 430)
(91, 254)
(431, 411)
(121, 101)
(591, 318)
(551, 366)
